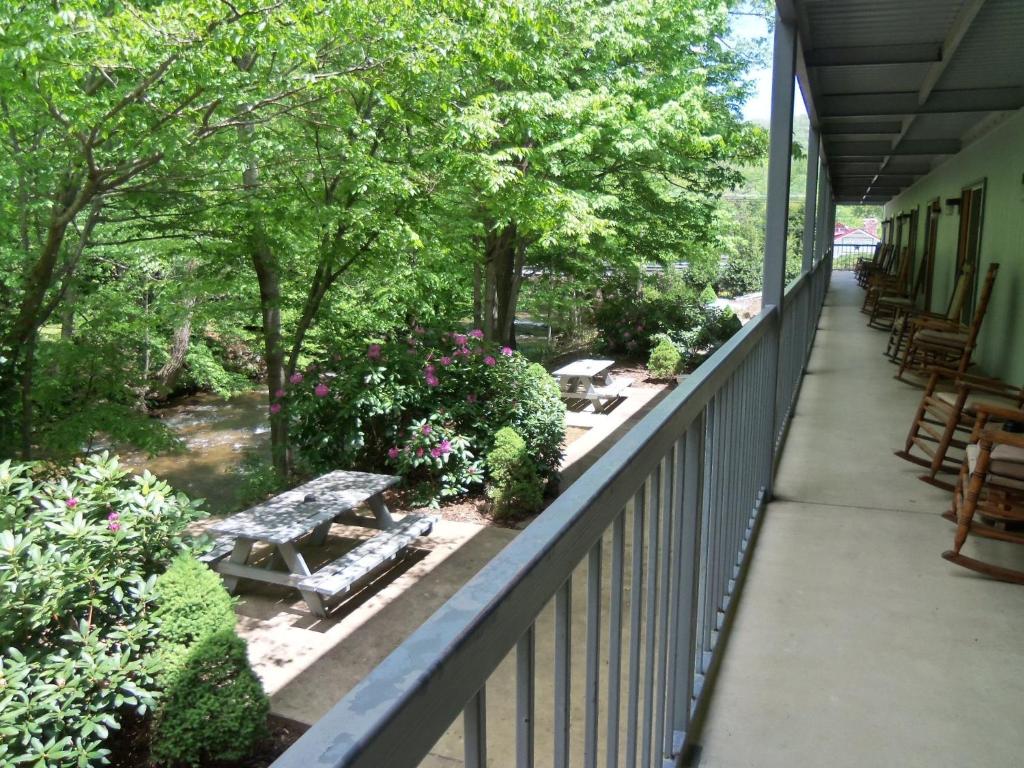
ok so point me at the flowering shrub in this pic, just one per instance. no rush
(630, 315)
(368, 409)
(79, 555)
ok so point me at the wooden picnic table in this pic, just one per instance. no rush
(589, 379)
(308, 511)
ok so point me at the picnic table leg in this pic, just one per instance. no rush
(297, 564)
(319, 535)
(380, 511)
(239, 555)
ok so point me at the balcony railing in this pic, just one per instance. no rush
(676, 501)
(846, 255)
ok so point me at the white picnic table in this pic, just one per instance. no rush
(591, 380)
(308, 511)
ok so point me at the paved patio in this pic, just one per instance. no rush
(854, 643)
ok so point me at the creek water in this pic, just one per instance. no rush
(217, 435)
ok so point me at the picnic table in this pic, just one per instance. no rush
(590, 380)
(308, 511)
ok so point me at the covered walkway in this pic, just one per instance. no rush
(854, 642)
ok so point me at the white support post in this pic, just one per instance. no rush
(811, 210)
(780, 152)
(822, 235)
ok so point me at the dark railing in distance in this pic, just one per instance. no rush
(668, 514)
(846, 255)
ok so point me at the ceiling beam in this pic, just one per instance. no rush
(883, 178)
(906, 103)
(874, 55)
(956, 34)
(861, 128)
(883, 148)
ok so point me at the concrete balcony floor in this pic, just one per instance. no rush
(854, 643)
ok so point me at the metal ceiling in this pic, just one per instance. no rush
(897, 86)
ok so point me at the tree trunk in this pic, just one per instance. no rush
(168, 374)
(504, 256)
(268, 275)
(478, 288)
(27, 371)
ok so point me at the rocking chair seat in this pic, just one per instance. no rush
(896, 301)
(1007, 460)
(951, 338)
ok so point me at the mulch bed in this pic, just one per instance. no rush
(130, 746)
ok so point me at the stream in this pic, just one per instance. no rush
(217, 435)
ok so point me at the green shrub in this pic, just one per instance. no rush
(665, 359)
(708, 296)
(515, 485)
(632, 313)
(79, 554)
(214, 710)
(212, 705)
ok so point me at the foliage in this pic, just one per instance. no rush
(258, 480)
(79, 554)
(697, 343)
(632, 312)
(212, 705)
(665, 359)
(514, 485)
(425, 403)
(708, 295)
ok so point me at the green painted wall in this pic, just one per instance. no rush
(998, 158)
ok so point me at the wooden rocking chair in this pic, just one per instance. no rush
(935, 342)
(864, 265)
(906, 315)
(991, 487)
(949, 416)
(881, 265)
(894, 285)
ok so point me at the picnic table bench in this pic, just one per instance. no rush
(307, 512)
(590, 380)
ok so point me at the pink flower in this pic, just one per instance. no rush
(476, 333)
(115, 527)
(426, 429)
(419, 330)
(506, 351)
(393, 452)
(435, 452)
(444, 447)
(471, 397)
(279, 393)
(429, 370)
(72, 502)
(113, 516)
(459, 339)
(446, 360)
(295, 378)
(461, 352)
(373, 352)
(320, 390)
(489, 360)
(432, 381)
(419, 452)
(275, 407)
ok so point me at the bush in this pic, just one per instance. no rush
(665, 359)
(79, 555)
(708, 296)
(213, 706)
(214, 710)
(515, 485)
(632, 314)
(368, 410)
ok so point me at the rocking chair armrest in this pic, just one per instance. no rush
(1006, 414)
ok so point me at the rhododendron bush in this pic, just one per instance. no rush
(425, 406)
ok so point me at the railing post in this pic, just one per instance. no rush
(777, 210)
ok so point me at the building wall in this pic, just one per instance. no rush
(998, 158)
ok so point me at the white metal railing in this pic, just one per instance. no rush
(846, 255)
(668, 514)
